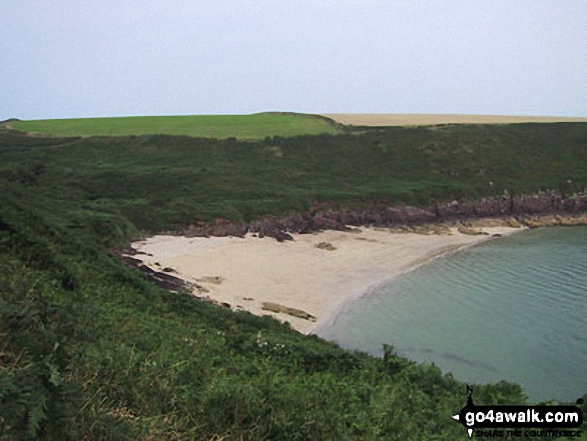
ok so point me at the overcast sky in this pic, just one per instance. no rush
(89, 58)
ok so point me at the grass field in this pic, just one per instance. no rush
(391, 119)
(256, 126)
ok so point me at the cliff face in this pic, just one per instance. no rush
(523, 208)
(544, 203)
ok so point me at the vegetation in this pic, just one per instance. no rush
(163, 182)
(254, 126)
(90, 350)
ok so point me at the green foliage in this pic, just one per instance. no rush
(36, 396)
(256, 126)
(157, 183)
(90, 350)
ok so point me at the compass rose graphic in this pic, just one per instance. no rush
(469, 407)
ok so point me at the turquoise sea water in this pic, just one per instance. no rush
(513, 308)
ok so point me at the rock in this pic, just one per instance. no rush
(469, 231)
(423, 230)
(202, 289)
(441, 230)
(160, 279)
(513, 223)
(325, 246)
(569, 221)
(402, 229)
(281, 236)
(497, 210)
(364, 239)
(533, 224)
(217, 280)
(276, 307)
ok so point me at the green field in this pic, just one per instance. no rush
(89, 349)
(256, 126)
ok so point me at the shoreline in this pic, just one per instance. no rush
(348, 300)
(307, 281)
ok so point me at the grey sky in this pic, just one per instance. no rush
(72, 58)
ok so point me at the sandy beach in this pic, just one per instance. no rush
(313, 275)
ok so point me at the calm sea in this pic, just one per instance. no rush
(513, 308)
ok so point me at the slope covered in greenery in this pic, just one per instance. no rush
(159, 182)
(90, 350)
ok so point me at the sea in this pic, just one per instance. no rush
(512, 308)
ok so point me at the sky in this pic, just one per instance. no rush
(97, 58)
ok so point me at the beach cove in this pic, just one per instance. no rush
(507, 309)
(308, 280)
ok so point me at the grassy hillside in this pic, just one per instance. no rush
(163, 182)
(90, 350)
(255, 126)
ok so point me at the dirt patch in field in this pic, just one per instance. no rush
(388, 119)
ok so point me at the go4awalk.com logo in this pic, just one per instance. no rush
(520, 421)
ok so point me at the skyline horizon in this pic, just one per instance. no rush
(325, 114)
(65, 59)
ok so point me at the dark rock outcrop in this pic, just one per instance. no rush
(321, 217)
(163, 280)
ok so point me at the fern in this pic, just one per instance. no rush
(54, 375)
(36, 415)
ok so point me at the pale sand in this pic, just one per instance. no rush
(245, 272)
(389, 119)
